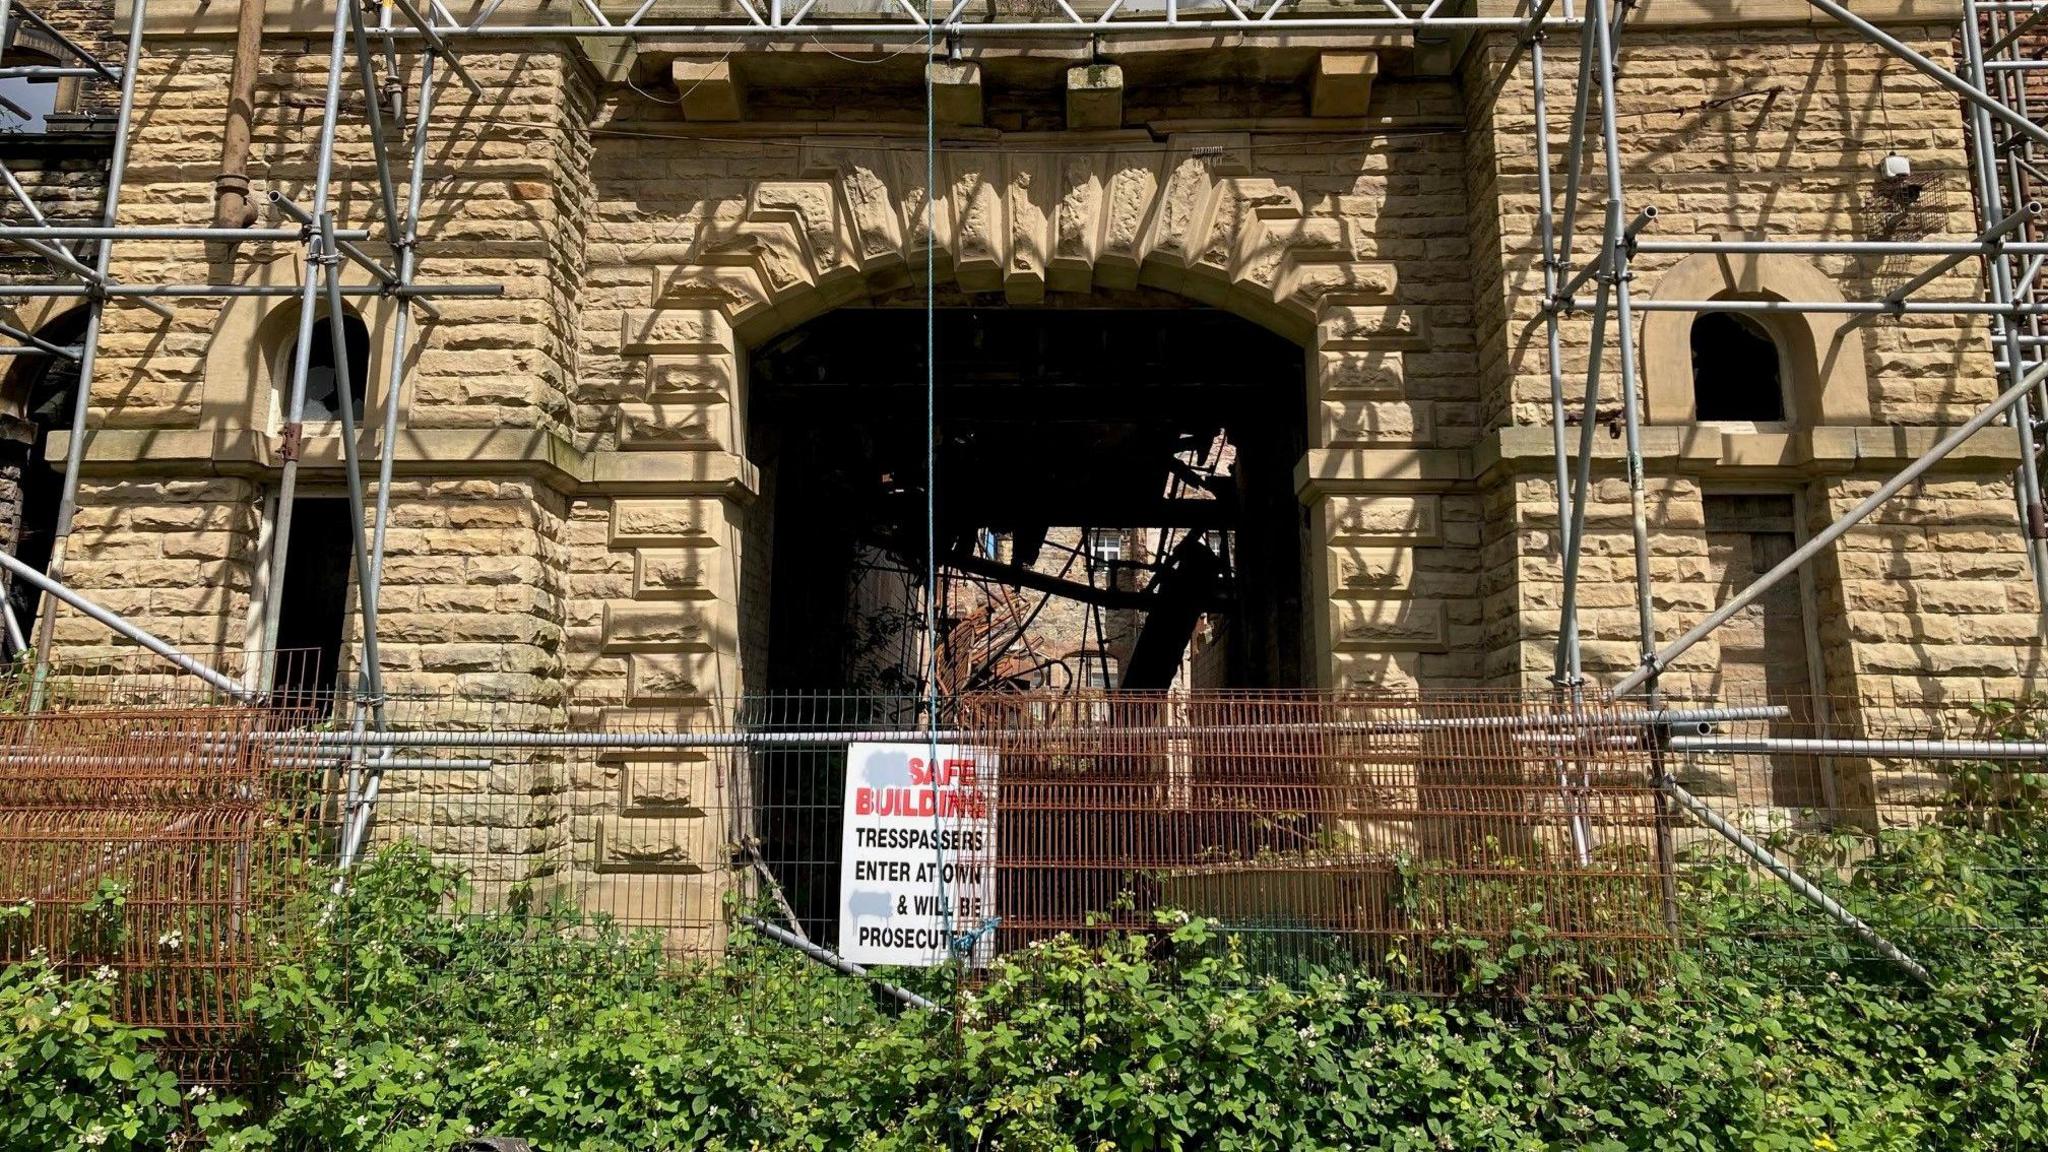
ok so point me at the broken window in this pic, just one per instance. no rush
(1737, 374)
(47, 387)
(322, 394)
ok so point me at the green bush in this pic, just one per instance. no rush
(406, 1025)
(71, 1077)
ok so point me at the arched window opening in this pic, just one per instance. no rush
(27, 102)
(1737, 373)
(47, 392)
(314, 603)
(322, 395)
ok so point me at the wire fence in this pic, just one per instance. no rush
(178, 839)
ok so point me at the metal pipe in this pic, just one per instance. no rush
(1833, 247)
(370, 673)
(119, 624)
(1566, 670)
(473, 738)
(1849, 307)
(302, 349)
(1933, 71)
(1999, 273)
(1805, 888)
(74, 452)
(38, 343)
(91, 61)
(835, 962)
(231, 206)
(1618, 270)
(237, 290)
(1620, 240)
(373, 104)
(882, 32)
(407, 242)
(1886, 749)
(1575, 147)
(1582, 484)
(426, 30)
(144, 232)
(1833, 532)
(17, 642)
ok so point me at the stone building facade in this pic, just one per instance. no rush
(579, 522)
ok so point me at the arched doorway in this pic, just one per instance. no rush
(1110, 495)
(40, 394)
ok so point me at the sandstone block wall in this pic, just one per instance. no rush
(1752, 133)
(582, 530)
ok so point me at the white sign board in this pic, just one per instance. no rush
(918, 825)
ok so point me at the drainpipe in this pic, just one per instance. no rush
(231, 206)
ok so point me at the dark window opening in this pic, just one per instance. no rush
(314, 603)
(49, 392)
(321, 393)
(1735, 370)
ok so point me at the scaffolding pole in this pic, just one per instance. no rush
(74, 450)
(302, 352)
(406, 243)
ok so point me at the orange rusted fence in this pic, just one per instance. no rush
(159, 831)
(1406, 837)
(156, 847)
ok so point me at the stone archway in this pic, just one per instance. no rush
(666, 587)
(1189, 218)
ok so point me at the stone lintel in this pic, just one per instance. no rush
(1341, 84)
(1095, 97)
(710, 89)
(956, 92)
(1329, 471)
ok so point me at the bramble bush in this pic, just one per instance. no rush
(71, 1076)
(404, 1027)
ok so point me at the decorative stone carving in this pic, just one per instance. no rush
(1187, 219)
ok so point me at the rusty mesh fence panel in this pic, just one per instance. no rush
(156, 847)
(1414, 840)
(1409, 839)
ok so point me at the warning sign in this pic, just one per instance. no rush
(917, 868)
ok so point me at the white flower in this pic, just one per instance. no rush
(93, 1137)
(104, 974)
(340, 1068)
(198, 1092)
(363, 1120)
(522, 1092)
(172, 940)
